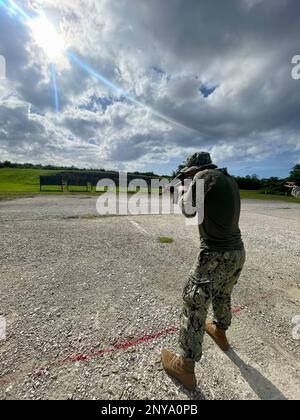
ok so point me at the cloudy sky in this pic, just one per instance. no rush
(143, 83)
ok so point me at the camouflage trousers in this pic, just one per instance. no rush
(212, 280)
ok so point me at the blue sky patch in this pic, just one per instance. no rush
(207, 91)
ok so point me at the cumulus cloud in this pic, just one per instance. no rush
(220, 70)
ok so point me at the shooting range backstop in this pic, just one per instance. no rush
(86, 180)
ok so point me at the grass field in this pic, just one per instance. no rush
(25, 182)
(21, 182)
(259, 196)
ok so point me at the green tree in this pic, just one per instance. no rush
(176, 172)
(295, 174)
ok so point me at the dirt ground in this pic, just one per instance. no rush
(89, 302)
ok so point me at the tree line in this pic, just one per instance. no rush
(271, 185)
(8, 164)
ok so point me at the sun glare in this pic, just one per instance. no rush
(47, 37)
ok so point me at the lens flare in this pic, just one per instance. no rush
(92, 72)
(55, 87)
(47, 37)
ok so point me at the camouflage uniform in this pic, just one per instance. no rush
(211, 281)
(221, 259)
(296, 192)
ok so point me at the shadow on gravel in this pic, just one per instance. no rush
(262, 387)
(192, 395)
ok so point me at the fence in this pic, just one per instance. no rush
(88, 180)
(51, 181)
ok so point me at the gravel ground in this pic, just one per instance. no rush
(90, 301)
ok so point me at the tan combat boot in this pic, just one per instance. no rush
(179, 368)
(218, 335)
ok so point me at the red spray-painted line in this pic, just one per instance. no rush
(93, 354)
(236, 310)
(4, 381)
(122, 346)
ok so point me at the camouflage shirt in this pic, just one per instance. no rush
(222, 206)
(296, 192)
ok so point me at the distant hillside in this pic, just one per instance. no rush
(21, 181)
(24, 182)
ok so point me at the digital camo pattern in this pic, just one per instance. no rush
(296, 192)
(212, 280)
(198, 159)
